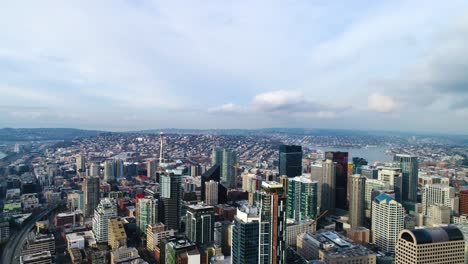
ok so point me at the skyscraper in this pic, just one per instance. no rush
(171, 197)
(245, 234)
(119, 168)
(216, 156)
(200, 224)
(272, 231)
(80, 165)
(341, 186)
(91, 193)
(356, 200)
(438, 194)
(147, 213)
(327, 186)
(370, 186)
(409, 168)
(228, 171)
(109, 172)
(94, 169)
(302, 198)
(211, 192)
(431, 245)
(387, 222)
(104, 211)
(394, 178)
(290, 160)
(151, 169)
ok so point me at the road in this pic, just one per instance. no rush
(14, 245)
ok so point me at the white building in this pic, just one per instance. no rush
(438, 194)
(104, 211)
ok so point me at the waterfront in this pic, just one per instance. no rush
(2, 155)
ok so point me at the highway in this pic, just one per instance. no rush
(14, 245)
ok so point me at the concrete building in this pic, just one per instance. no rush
(327, 186)
(463, 201)
(91, 193)
(370, 186)
(80, 165)
(109, 170)
(356, 201)
(182, 251)
(37, 243)
(394, 177)
(94, 169)
(294, 228)
(155, 233)
(200, 224)
(387, 222)
(331, 247)
(151, 169)
(302, 198)
(211, 192)
(117, 235)
(106, 210)
(124, 255)
(4, 231)
(431, 245)
(439, 194)
(43, 257)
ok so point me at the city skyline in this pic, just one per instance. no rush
(135, 65)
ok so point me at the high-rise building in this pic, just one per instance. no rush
(106, 210)
(91, 193)
(211, 192)
(387, 222)
(217, 156)
(393, 176)
(327, 186)
(290, 160)
(80, 165)
(302, 198)
(155, 233)
(119, 168)
(430, 245)
(117, 235)
(151, 169)
(147, 213)
(357, 201)
(245, 234)
(94, 169)
(171, 198)
(438, 194)
(357, 164)
(463, 198)
(228, 169)
(200, 224)
(109, 172)
(341, 185)
(272, 231)
(370, 186)
(409, 167)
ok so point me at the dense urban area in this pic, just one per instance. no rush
(239, 196)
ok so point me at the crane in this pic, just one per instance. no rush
(314, 222)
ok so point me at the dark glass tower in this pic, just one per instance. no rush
(245, 232)
(200, 224)
(290, 160)
(409, 168)
(171, 196)
(341, 187)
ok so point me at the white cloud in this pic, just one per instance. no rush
(381, 103)
(228, 108)
(278, 100)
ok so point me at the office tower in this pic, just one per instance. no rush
(217, 156)
(356, 200)
(409, 168)
(200, 224)
(181, 251)
(155, 233)
(119, 168)
(91, 193)
(357, 164)
(327, 186)
(393, 176)
(370, 186)
(290, 160)
(211, 192)
(147, 213)
(438, 194)
(302, 198)
(132, 170)
(370, 172)
(431, 245)
(94, 169)
(80, 165)
(117, 235)
(104, 211)
(151, 169)
(109, 173)
(341, 186)
(228, 170)
(387, 222)
(463, 198)
(245, 234)
(272, 231)
(284, 181)
(171, 198)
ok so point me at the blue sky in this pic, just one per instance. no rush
(124, 65)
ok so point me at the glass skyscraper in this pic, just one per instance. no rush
(302, 198)
(341, 186)
(409, 168)
(290, 160)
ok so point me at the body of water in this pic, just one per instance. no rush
(2, 155)
(371, 154)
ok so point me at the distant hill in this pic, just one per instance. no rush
(39, 134)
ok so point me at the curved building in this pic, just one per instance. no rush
(431, 245)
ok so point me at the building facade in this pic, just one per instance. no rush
(409, 167)
(356, 201)
(302, 198)
(290, 160)
(200, 224)
(106, 210)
